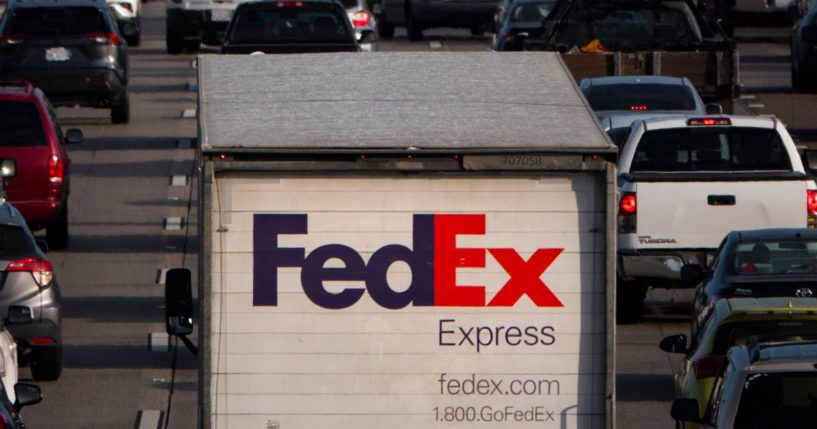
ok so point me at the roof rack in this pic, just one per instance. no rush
(20, 85)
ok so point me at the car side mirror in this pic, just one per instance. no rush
(713, 109)
(674, 344)
(810, 159)
(367, 36)
(27, 394)
(692, 273)
(74, 136)
(179, 306)
(685, 410)
(19, 315)
(8, 168)
(43, 245)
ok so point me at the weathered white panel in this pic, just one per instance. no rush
(299, 365)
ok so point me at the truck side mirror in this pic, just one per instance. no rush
(810, 159)
(713, 109)
(74, 136)
(27, 394)
(692, 273)
(674, 344)
(685, 410)
(178, 302)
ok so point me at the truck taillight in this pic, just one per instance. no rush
(811, 207)
(40, 269)
(361, 19)
(104, 38)
(627, 210)
(56, 170)
(708, 122)
(707, 366)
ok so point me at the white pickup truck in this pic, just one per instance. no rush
(685, 182)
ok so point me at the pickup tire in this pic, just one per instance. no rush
(56, 234)
(120, 112)
(46, 364)
(413, 28)
(629, 301)
(175, 43)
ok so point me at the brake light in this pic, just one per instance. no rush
(510, 37)
(104, 38)
(56, 169)
(707, 366)
(289, 4)
(708, 122)
(361, 19)
(811, 207)
(12, 39)
(639, 107)
(627, 210)
(42, 341)
(40, 269)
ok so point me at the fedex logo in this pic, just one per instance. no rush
(433, 259)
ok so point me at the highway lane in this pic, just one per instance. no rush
(121, 193)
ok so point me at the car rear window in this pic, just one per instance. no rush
(640, 97)
(20, 124)
(795, 257)
(15, 243)
(710, 149)
(778, 400)
(530, 12)
(736, 333)
(56, 20)
(297, 24)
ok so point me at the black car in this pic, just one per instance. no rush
(756, 264)
(71, 49)
(521, 18)
(804, 48)
(280, 27)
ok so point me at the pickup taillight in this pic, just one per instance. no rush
(627, 211)
(707, 366)
(811, 208)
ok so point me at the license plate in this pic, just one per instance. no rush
(57, 54)
(221, 14)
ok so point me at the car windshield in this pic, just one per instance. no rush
(640, 97)
(630, 25)
(56, 20)
(15, 243)
(775, 257)
(533, 12)
(736, 333)
(20, 124)
(785, 400)
(710, 149)
(296, 24)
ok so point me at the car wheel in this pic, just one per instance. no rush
(477, 30)
(135, 40)
(56, 234)
(192, 45)
(384, 28)
(120, 113)
(413, 28)
(46, 364)
(175, 44)
(629, 301)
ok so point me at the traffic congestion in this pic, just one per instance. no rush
(629, 190)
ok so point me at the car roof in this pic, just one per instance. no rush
(777, 234)
(732, 308)
(785, 356)
(736, 121)
(9, 215)
(636, 79)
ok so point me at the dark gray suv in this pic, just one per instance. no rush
(71, 49)
(29, 296)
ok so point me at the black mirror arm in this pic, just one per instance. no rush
(189, 344)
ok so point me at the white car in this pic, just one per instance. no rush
(8, 363)
(126, 13)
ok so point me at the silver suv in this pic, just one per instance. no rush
(29, 296)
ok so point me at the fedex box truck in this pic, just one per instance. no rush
(403, 241)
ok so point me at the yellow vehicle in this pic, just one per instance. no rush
(732, 322)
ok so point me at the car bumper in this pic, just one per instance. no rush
(38, 213)
(45, 328)
(198, 24)
(97, 87)
(662, 267)
(456, 14)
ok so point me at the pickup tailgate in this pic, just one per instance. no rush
(699, 214)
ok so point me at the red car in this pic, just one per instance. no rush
(31, 135)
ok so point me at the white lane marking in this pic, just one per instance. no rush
(161, 276)
(188, 113)
(179, 180)
(435, 44)
(748, 97)
(757, 105)
(149, 419)
(174, 223)
(158, 342)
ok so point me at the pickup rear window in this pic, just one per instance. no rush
(293, 25)
(710, 149)
(639, 97)
(57, 20)
(20, 124)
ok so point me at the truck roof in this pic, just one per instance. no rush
(394, 102)
(680, 121)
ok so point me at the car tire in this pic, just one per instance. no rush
(384, 28)
(175, 44)
(135, 40)
(120, 112)
(56, 234)
(477, 30)
(46, 364)
(413, 28)
(192, 45)
(629, 301)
